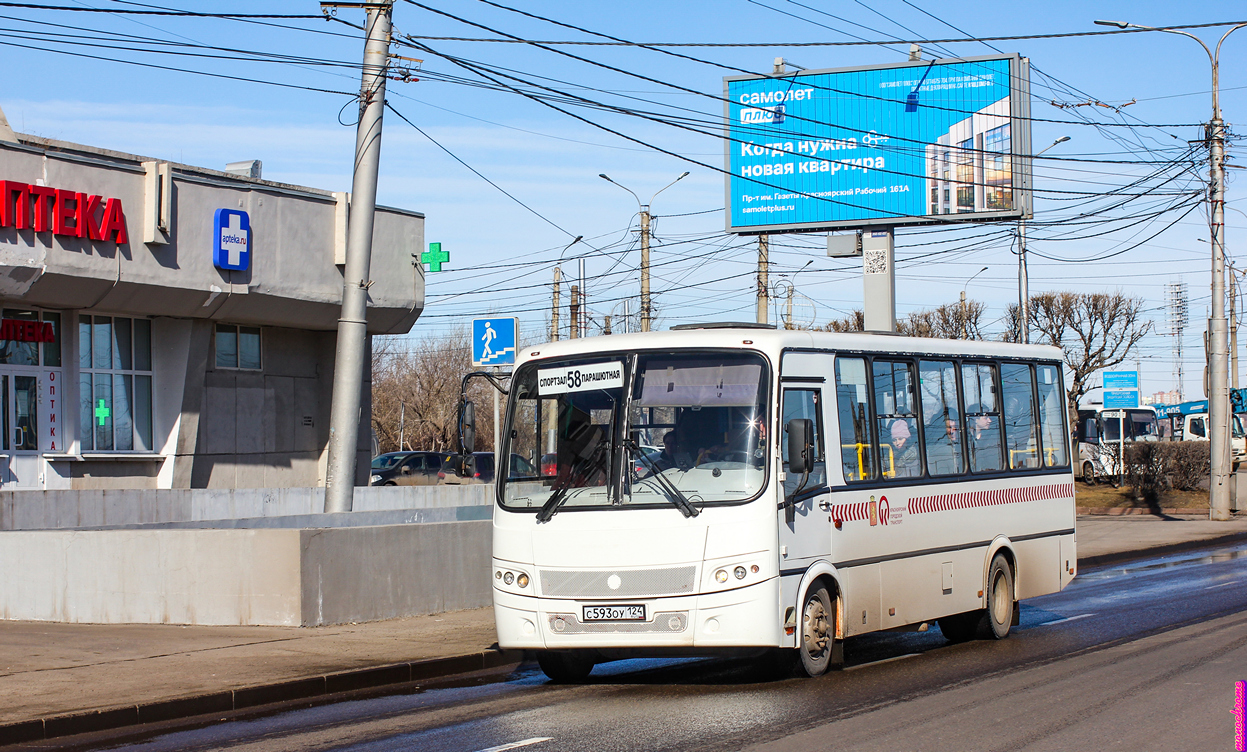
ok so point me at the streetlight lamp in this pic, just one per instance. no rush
(1218, 329)
(964, 317)
(645, 218)
(1024, 297)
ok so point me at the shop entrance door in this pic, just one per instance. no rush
(27, 415)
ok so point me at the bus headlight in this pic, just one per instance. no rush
(739, 572)
(720, 576)
(508, 578)
(522, 580)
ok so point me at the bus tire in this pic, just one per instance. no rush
(818, 631)
(1000, 595)
(1088, 473)
(565, 666)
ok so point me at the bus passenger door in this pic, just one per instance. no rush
(804, 532)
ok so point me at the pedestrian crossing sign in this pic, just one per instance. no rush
(494, 341)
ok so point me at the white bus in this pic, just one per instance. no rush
(811, 486)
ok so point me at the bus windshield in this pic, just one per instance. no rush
(693, 430)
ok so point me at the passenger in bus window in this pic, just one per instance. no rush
(905, 451)
(984, 436)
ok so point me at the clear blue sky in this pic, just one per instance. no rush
(502, 254)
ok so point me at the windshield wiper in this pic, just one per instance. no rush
(559, 494)
(677, 497)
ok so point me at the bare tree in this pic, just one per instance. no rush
(854, 322)
(950, 321)
(1095, 330)
(416, 383)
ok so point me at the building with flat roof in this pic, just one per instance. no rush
(170, 326)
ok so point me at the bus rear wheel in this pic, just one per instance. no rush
(565, 666)
(818, 631)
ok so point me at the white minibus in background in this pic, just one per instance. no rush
(1102, 436)
(808, 487)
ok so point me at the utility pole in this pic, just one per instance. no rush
(647, 311)
(1218, 334)
(583, 320)
(402, 423)
(627, 313)
(607, 330)
(573, 320)
(1024, 296)
(352, 343)
(554, 310)
(764, 243)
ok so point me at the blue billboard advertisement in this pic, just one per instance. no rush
(913, 143)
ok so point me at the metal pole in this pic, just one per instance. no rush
(1024, 296)
(402, 423)
(627, 313)
(763, 268)
(1233, 330)
(499, 465)
(963, 314)
(554, 310)
(645, 302)
(350, 361)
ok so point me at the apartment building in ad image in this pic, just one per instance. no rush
(969, 168)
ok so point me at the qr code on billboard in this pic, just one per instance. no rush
(875, 262)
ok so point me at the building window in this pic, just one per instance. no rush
(997, 168)
(115, 384)
(238, 347)
(965, 175)
(30, 338)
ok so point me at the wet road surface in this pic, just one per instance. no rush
(1139, 656)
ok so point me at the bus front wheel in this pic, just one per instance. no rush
(565, 667)
(1088, 473)
(818, 631)
(999, 616)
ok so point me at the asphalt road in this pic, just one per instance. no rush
(1143, 656)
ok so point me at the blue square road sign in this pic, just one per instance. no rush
(494, 341)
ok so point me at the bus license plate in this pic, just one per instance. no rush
(614, 613)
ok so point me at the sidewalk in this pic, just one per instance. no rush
(59, 679)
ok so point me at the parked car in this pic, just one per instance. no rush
(482, 469)
(407, 468)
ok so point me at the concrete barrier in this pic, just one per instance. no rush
(53, 510)
(283, 577)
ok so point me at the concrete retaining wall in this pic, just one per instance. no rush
(281, 577)
(51, 510)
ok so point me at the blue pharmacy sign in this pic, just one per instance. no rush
(912, 143)
(231, 244)
(494, 341)
(1120, 398)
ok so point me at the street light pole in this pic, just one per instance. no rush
(963, 300)
(1024, 296)
(643, 209)
(1218, 328)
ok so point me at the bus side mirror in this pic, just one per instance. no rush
(467, 428)
(800, 445)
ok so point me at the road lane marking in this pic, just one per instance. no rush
(885, 660)
(1068, 618)
(1224, 584)
(517, 745)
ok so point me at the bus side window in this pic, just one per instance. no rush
(1052, 417)
(940, 417)
(897, 419)
(853, 414)
(804, 403)
(1021, 439)
(978, 388)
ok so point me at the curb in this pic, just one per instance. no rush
(1124, 511)
(1168, 548)
(245, 698)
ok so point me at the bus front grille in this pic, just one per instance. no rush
(624, 583)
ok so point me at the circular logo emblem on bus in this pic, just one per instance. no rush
(613, 582)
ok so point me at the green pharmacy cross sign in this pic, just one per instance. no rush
(435, 257)
(102, 412)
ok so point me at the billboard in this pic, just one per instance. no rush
(911, 143)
